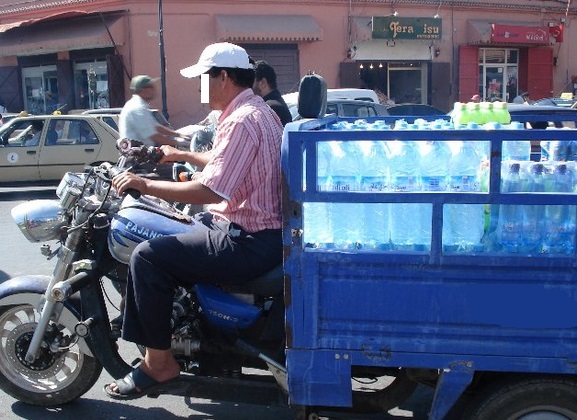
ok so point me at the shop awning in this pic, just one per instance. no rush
(487, 32)
(61, 32)
(271, 28)
(401, 50)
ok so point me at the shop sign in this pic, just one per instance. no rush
(520, 34)
(394, 27)
(556, 32)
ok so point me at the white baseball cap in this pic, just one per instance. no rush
(221, 54)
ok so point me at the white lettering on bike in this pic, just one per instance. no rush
(222, 316)
(142, 231)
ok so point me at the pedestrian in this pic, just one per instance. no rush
(265, 86)
(523, 98)
(475, 98)
(238, 238)
(136, 121)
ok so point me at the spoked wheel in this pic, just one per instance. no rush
(526, 399)
(55, 377)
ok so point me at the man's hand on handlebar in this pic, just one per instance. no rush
(129, 181)
(171, 154)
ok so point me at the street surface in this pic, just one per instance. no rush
(18, 257)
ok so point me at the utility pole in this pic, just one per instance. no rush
(162, 59)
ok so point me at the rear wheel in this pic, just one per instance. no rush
(526, 399)
(381, 390)
(56, 377)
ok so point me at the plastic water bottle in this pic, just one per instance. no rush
(460, 114)
(560, 219)
(316, 224)
(474, 112)
(465, 223)
(545, 150)
(558, 150)
(534, 214)
(404, 225)
(345, 173)
(435, 157)
(375, 223)
(510, 223)
(486, 112)
(516, 149)
(501, 112)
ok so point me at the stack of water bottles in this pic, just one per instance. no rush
(403, 166)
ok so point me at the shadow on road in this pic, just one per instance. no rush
(415, 408)
(32, 193)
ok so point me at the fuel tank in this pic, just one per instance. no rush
(141, 219)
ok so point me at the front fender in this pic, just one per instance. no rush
(30, 289)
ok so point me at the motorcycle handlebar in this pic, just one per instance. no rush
(138, 152)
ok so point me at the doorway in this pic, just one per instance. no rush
(40, 89)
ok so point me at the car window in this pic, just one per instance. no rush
(110, 121)
(64, 131)
(360, 111)
(16, 134)
(332, 109)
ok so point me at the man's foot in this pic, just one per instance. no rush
(138, 384)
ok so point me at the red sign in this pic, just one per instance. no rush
(556, 32)
(520, 34)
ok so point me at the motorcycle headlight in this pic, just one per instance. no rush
(40, 220)
(70, 188)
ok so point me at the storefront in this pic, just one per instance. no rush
(396, 56)
(64, 61)
(502, 60)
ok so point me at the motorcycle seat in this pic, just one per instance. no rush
(270, 283)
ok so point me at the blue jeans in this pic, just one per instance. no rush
(217, 252)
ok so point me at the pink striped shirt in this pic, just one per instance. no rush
(245, 165)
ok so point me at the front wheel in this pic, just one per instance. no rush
(56, 377)
(526, 399)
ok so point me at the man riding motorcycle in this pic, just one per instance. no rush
(241, 237)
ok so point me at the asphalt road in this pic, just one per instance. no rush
(18, 257)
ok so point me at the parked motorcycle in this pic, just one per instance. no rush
(56, 330)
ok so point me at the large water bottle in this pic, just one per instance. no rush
(560, 219)
(534, 214)
(435, 157)
(345, 171)
(375, 223)
(516, 149)
(559, 150)
(316, 225)
(405, 229)
(464, 223)
(509, 228)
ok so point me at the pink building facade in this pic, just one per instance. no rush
(79, 54)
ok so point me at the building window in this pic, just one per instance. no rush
(91, 85)
(40, 89)
(498, 74)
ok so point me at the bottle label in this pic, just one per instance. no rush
(434, 183)
(405, 183)
(373, 184)
(344, 184)
(464, 183)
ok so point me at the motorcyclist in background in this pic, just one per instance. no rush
(241, 235)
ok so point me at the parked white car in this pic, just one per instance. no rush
(44, 147)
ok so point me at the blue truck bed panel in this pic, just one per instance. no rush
(489, 311)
